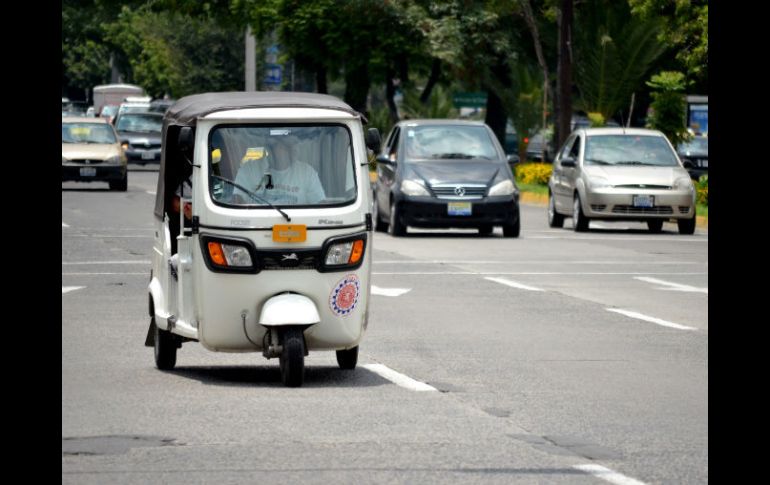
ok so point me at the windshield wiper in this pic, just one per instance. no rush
(632, 162)
(452, 155)
(597, 161)
(252, 194)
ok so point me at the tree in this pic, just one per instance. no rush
(669, 106)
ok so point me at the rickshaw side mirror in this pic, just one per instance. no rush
(186, 140)
(373, 140)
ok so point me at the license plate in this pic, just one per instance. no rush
(148, 156)
(87, 172)
(643, 201)
(704, 163)
(459, 208)
(289, 233)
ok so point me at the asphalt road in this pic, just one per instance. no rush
(556, 357)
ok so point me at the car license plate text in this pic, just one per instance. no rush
(459, 208)
(148, 156)
(87, 171)
(643, 201)
(289, 233)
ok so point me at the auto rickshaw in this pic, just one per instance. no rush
(263, 228)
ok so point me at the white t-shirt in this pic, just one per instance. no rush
(297, 185)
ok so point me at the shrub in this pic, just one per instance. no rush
(533, 173)
(702, 187)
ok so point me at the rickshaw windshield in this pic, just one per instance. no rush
(281, 165)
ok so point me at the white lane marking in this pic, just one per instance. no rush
(610, 239)
(608, 475)
(376, 290)
(67, 289)
(104, 274)
(398, 378)
(151, 192)
(108, 236)
(105, 262)
(672, 286)
(513, 284)
(64, 225)
(533, 273)
(654, 320)
(550, 261)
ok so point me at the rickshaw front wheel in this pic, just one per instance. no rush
(347, 359)
(165, 348)
(292, 359)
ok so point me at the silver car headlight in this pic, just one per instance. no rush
(411, 187)
(505, 187)
(113, 160)
(596, 182)
(684, 183)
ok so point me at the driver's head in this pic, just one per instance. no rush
(282, 150)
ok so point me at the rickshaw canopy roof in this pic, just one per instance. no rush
(186, 112)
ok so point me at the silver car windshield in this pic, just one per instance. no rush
(97, 133)
(284, 166)
(448, 142)
(629, 150)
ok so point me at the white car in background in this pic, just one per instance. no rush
(621, 174)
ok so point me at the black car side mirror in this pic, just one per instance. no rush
(513, 159)
(373, 140)
(384, 159)
(568, 162)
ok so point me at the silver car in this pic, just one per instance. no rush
(621, 174)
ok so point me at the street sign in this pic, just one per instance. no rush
(470, 100)
(273, 74)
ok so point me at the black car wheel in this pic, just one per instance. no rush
(486, 229)
(165, 348)
(655, 226)
(554, 218)
(579, 220)
(347, 359)
(686, 226)
(292, 358)
(120, 185)
(396, 227)
(378, 224)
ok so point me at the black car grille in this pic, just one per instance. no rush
(684, 209)
(87, 161)
(459, 191)
(598, 207)
(146, 146)
(289, 259)
(628, 209)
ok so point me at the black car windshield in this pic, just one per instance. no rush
(433, 142)
(696, 145)
(144, 123)
(629, 150)
(87, 133)
(286, 166)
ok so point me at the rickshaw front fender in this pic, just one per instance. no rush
(289, 309)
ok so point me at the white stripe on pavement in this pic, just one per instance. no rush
(611, 239)
(398, 378)
(64, 225)
(654, 320)
(104, 274)
(672, 286)
(67, 289)
(151, 192)
(533, 261)
(105, 262)
(608, 475)
(513, 284)
(376, 290)
(532, 273)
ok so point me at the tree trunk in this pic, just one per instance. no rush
(496, 115)
(320, 80)
(390, 92)
(435, 72)
(530, 19)
(357, 83)
(564, 75)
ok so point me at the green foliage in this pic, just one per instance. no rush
(668, 106)
(438, 106)
(613, 53)
(596, 119)
(533, 173)
(523, 101)
(379, 117)
(702, 187)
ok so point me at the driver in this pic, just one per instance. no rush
(279, 177)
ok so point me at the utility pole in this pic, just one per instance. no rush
(251, 61)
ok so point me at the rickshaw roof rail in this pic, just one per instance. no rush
(187, 110)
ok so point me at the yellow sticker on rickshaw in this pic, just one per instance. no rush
(289, 233)
(253, 154)
(80, 130)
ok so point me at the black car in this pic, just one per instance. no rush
(140, 136)
(442, 174)
(695, 156)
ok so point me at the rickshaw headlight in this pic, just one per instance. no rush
(229, 255)
(344, 253)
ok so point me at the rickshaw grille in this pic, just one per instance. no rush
(287, 260)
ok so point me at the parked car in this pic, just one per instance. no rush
(442, 174)
(90, 152)
(694, 155)
(627, 174)
(140, 136)
(108, 112)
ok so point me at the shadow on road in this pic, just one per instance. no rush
(270, 376)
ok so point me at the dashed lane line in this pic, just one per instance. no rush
(67, 289)
(513, 284)
(398, 378)
(376, 290)
(607, 474)
(657, 321)
(672, 286)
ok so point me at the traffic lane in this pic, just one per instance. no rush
(228, 414)
(632, 394)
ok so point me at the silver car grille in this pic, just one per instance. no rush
(629, 209)
(643, 186)
(459, 191)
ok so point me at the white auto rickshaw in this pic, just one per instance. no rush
(262, 228)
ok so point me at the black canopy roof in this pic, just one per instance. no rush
(186, 111)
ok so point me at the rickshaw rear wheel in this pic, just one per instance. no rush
(292, 359)
(347, 359)
(165, 348)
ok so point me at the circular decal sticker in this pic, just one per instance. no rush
(344, 297)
